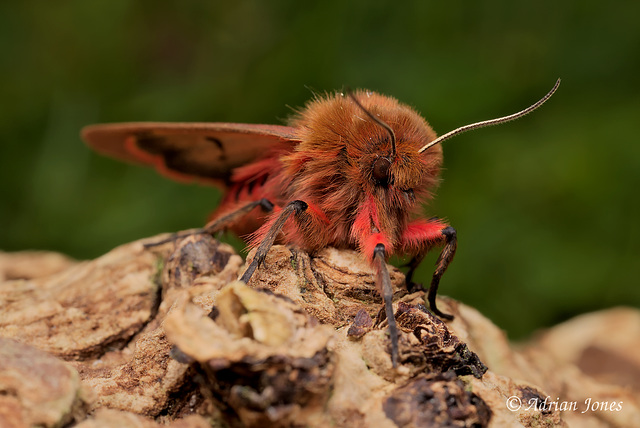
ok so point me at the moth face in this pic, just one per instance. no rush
(381, 171)
(342, 139)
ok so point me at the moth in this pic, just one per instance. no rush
(351, 170)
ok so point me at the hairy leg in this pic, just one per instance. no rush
(419, 238)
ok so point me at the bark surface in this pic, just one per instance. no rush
(165, 335)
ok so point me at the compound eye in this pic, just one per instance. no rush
(382, 170)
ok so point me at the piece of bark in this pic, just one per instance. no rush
(36, 389)
(32, 264)
(142, 377)
(605, 346)
(554, 365)
(83, 311)
(105, 317)
(363, 379)
(261, 356)
(593, 361)
(108, 418)
(162, 332)
(332, 286)
(436, 400)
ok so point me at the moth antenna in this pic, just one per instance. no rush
(377, 120)
(490, 122)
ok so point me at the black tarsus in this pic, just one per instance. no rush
(296, 207)
(446, 255)
(379, 256)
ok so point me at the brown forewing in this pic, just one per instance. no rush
(202, 152)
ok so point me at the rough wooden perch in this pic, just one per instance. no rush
(144, 337)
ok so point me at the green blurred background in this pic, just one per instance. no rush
(544, 207)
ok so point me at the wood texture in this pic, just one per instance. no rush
(165, 335)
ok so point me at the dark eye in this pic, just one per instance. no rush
(382, 170)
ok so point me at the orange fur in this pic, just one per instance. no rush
(330, 169)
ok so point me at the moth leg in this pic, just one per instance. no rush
(226, 220)
(379, 256)
(296, 208)
(220, 223)
(422, 236)
(445, 257)
(413, 265)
